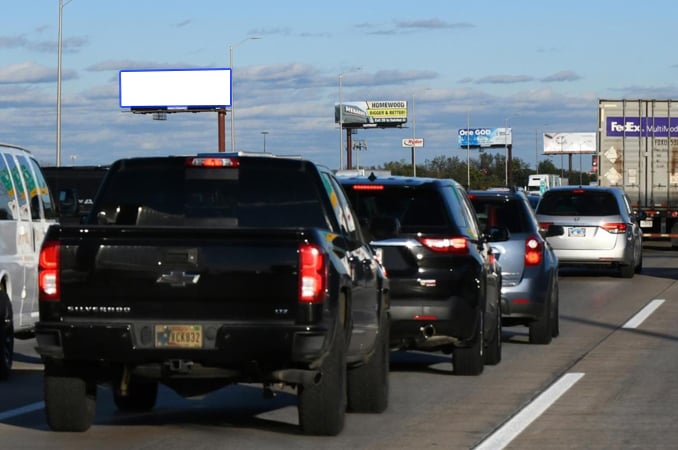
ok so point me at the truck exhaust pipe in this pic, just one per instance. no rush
(428, 331)
(297, 376)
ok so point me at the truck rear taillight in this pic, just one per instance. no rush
(212, 161)
(48, 277)
(457, 245)
(312, 273)
(534, 251)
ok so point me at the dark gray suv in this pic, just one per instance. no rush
(445, 283)
(529, 267)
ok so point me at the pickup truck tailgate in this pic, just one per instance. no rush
(180, 274)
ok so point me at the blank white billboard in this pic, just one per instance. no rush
(562, 143)
(175, 88)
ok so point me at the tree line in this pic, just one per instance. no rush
(489, 170)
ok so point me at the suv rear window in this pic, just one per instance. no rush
(578, 203)
(418, 210)
(493, 212)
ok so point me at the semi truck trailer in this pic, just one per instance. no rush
(638, 152)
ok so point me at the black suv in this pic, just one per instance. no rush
(445, 284)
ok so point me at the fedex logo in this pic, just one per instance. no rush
(641, 126)
(626, 127)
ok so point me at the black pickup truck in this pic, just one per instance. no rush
(202, 271)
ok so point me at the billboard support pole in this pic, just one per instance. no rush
(349, 145)
(221, 122)
(509, 165)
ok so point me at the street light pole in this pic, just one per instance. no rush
(506, 155)
(59, 46)
(414, 136)
(230, 64)
(468, 149)
(264, 133)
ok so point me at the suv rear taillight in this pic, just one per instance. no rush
(615, 227)
(312, 273)
(544, 226)
(48, 277)
(458, 245)
(534, 251)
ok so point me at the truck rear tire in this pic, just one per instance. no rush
(322, 406)
(70, 402)
(470, 360)
(141, 396)
(6, 336)
(541, 331)
(492, 355)
(368, 386)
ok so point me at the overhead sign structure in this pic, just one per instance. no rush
(564, 143)
(371, 114)
(484, 137)
(175, 88)
(413, 142)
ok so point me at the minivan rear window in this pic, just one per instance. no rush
(578, 203)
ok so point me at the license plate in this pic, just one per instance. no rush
(645, 224)
(178, 336)
(576, 232)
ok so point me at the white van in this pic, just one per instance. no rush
(26, 211)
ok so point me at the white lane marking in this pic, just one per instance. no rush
(23, 410)
(644, 313)
(511, 429)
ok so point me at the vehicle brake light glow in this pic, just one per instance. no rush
(426, 317)
(544, 226)
(368, 187)
(578, 191)
(446, 245)
(212, 162)
(614, 228)
(48, 277)
(312, 273)
(534, 251)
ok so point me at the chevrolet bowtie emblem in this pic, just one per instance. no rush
(178, 279)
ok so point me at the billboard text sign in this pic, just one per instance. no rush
(413, 142)
(641, 126)
(370, 114)
(484, 137)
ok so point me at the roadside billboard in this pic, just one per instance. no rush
(484, 137)
(564, 143)
(175, 88)
(371, 114)
(413, 142)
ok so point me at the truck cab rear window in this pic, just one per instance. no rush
(173, 195)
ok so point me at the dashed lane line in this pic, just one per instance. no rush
(639, 318)
(511, 429)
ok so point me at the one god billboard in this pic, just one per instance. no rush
(484, 137)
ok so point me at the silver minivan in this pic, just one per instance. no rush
(599, 227)
(26, 211)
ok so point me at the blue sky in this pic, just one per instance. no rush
(535, 65)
